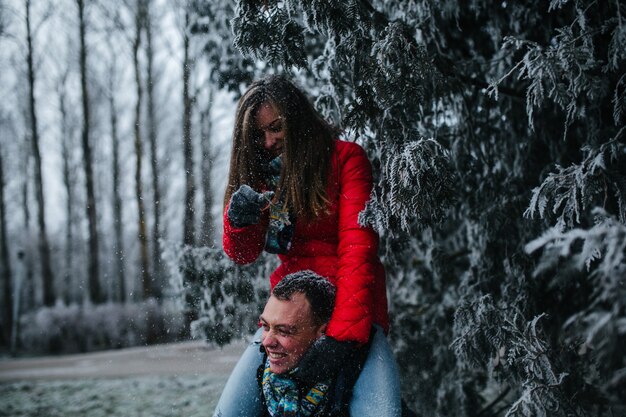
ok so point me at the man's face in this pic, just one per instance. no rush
(288, 331)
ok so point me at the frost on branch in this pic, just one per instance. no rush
(569, 192)
(598, 255)
(416, 186)
(600, 249)
(220, 297)
(276, 29)
(497, 339)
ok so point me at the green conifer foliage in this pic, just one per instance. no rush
(497, 135)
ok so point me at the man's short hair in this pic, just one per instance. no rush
(318, 290)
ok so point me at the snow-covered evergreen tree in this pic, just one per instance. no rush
(497, 134)
(220, 299)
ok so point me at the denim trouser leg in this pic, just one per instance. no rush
(377, 391)
(241, 396)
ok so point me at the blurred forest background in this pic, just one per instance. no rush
(498, 138)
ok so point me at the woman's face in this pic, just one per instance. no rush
(272, 128)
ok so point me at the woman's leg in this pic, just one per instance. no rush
(377, 391)
(241, 396)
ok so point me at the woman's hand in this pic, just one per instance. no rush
(245, 206)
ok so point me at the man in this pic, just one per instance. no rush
(294, 318)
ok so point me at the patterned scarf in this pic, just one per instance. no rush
(283, 399)
(281, 224)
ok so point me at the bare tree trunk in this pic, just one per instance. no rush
(208, 229)
(117, 199)
(5, 265)
(25, 254)
(157, 274)
(190, 189)
(44, 247)
(143, 241)
(69, 189)
(95, 292)
(18, 291)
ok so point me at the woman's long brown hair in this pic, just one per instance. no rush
(307, 147)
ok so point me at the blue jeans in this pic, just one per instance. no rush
(376, 392)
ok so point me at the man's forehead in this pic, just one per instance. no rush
(293, 311)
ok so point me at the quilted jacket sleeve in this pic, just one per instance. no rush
(244, 244)
(357, 251)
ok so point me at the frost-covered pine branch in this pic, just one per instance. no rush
(570, 192)
(221, 297)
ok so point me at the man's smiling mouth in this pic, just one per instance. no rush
(276, 355)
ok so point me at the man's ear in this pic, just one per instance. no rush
(321, 331)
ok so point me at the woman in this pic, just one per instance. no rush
(296, 190)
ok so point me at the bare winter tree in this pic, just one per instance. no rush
(118, 224)
(44, 247)
(25, 251)
(206, 165)
(5, 261)
(2, 18)
(142, 234)
(93, 272)
(154, 158)
(67, 135)
(190, 187)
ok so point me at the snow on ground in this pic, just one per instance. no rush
(129, 397)
(181, 379)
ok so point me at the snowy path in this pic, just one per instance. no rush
(195, 358)
(181, 379)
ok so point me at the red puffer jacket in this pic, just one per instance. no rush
(334, 246)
